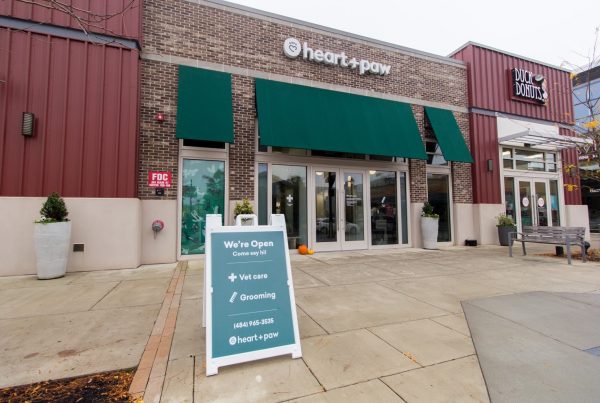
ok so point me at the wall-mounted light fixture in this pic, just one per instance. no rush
(28, 124)
(490, 165)
(160, 117)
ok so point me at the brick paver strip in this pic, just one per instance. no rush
(150, 375)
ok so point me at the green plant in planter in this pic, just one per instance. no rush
(243, 208)
(53, 210)
(428, 211)
(504, 220)
(505, 226)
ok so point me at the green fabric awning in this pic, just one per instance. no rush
(204, 108)
(297, 116)
(448, 135)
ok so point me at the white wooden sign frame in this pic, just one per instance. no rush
(213, 225)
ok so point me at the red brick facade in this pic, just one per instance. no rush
(180, 31)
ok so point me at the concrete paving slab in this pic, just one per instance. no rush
(347, 358)
(455, 322)
(270, 380)
(586, 298)
(303, 280)
(308, 327)
(520, 364)
(32, 281)
(425, 341)
(58, 346)
(572, 322)
(339, 308)
(415, 268)
(189, 337)
(351, 274)
(444, 292)
(193, 287)
(453, 381)
(195, 266)
(525, 280)
(366, 392)
(35, 301)
(135, 293)
(142, 272)
(179, 381)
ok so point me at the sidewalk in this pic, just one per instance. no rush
(79, 324)
(383, 325)
(375, 326)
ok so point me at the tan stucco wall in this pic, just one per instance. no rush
(109, 228)
(484, 220)
(463, 222)
(577, 216)
(163, 247)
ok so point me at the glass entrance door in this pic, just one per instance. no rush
(533, 203)
(339, 209)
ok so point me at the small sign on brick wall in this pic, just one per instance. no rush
(159, 179)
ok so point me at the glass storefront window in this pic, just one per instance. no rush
(404, 207)
(288, 197)
(384, 208)
(434, 153)
(438, 194)
(554, 204)
(263, 187)
(203, 192)
(354, 206)
(509, 198)
(528, 160)
(326, 206)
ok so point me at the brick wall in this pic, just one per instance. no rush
(461, 172)
(158, 148)
(241, 152)
(194, 31)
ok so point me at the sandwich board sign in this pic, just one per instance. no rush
(250, 310)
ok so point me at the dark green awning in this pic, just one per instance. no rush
(204, 110)
(448, 134)
(296, 116)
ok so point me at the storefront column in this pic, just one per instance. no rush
(241, 152)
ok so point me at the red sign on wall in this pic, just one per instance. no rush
(159, 179)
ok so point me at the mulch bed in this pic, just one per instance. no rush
(103, 387)
(593, 255)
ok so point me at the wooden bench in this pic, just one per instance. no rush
(551, 235)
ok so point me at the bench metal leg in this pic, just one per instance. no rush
(510, 245)
(524, 251)
(583, 254)
(568, 251)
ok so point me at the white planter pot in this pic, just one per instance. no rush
(429, 232)
(52, 243)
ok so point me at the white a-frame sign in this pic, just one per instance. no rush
(250, 308)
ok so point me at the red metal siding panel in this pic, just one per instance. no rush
(126, 24)
(570, 157)
(85, 100)
(490, 86)
(484, 146)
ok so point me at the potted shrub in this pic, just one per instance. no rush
(52, 237)
(429, 226)
(505, 226)
(245, 207)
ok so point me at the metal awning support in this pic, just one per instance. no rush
(543, 140)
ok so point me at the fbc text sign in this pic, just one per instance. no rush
(159, 179)
(251, 312)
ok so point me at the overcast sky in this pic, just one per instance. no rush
(550, 31)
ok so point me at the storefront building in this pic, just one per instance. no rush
(346, 136)
(521, 125)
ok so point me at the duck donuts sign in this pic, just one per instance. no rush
(529, 86)
(292, 48)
